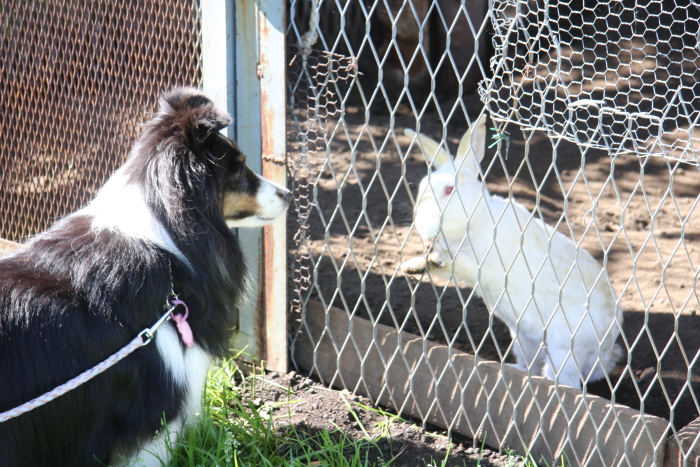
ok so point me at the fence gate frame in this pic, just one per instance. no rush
(244, 71)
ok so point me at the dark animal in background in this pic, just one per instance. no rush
(421, 29)
(77, 293)
(446, 20)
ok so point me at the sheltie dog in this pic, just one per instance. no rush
(77, 293)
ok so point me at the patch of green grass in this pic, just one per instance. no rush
(384, 425)
(529, 461)
(234, 432)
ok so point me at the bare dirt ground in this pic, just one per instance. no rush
(297, 401)
(645, 228)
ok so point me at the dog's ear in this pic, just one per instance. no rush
(192, 114)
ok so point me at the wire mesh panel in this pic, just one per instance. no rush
(76, 78)
(481, 192)
(315, 79)
(615, 75)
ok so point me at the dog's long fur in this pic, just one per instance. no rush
(77, 293)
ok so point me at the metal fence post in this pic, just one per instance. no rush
(248, 134)
(272, 74)
(244, 70)
(218, 47)
(227, 80)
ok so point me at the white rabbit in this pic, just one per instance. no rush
(557, 302)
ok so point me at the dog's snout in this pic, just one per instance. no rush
(285, 195)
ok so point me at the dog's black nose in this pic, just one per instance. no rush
(287, 197)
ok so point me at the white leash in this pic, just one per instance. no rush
(144, 338)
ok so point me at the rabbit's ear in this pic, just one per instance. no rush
(432, 150)
(472, 147)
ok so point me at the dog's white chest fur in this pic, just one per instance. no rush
(188, 368)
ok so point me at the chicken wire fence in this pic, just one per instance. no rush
(619, 76)
(586, 200)
(76, 79)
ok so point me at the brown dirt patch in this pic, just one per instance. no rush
(312, 408)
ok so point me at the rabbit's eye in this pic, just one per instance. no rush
(449, 190)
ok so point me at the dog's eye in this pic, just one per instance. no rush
(448, 190)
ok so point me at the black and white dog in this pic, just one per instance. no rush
(77, 293)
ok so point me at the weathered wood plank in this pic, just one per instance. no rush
(476, 398)
(689, 440)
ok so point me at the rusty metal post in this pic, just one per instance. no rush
(229, 57)
(272, 74)
(246, 68)
(230, 77)
(248, 135)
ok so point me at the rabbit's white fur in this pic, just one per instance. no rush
(556, 300)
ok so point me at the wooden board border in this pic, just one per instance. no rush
(476, 398)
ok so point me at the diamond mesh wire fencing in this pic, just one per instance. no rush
(569, 251)
(76, 79)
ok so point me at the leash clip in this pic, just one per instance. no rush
(147, 334)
